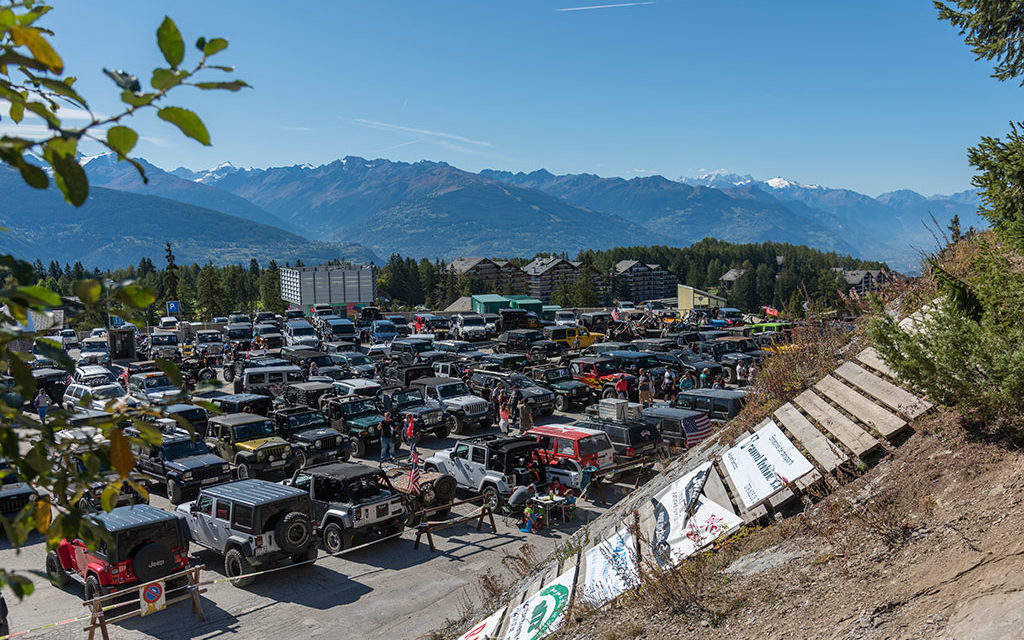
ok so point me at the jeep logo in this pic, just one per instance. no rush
(158, 563)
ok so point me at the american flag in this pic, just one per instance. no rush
(696, 429)
(414, 473)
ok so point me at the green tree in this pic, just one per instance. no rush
(209, 293)
(270, 289)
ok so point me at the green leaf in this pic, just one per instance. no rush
(121, 457)
(201, 43)
(20, 585)
(172, 371)
(62, 146)
(233, 85)
(187, 121)
(33, 175)
(108, 499)
(70, 178)
(17, 111)
(88, 291)
(138, 167)
(122, 139)
(62, 87)
(44, 112)
(43, 515)
(34, 295)
(171, 45)
(23, 377)
(41, 50)
(166, 78)
(214, 46)
(134, 295)
(221, 67)
(130, 98)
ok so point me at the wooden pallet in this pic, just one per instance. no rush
(828, 456)
(871, 358)
(903, 402)
(886, 423)
(860, 442)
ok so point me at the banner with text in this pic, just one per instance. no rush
(611, 569)
(542, 613)
(486, 628)
(762, 464)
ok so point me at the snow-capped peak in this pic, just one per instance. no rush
(223, 165)
(780, 183)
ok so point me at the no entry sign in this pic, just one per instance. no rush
(152, 598)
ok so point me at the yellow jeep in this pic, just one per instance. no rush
(572, 337)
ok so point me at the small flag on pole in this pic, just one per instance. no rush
(414, 472)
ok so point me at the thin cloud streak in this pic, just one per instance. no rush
(296, 128)
(399, 145)
(606, 6)
(384, 126)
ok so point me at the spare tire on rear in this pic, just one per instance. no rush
(444, 488)
(152, 561)
(293, 532)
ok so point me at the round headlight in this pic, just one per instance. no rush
(33, 497)
(319, 444)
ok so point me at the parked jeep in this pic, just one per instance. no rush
(14, 494)
(529, 341)
(253, 403)
(726, 354)
(144, 544)
(568, 391)
(162, 344)
(470, 326)
(540, 399)
(87, 448)
(305, 394)
(252, 523)
(403, 375)
(428, 416)
(492, 465)
(154, 387)
(251, 443)
(310, 435)
(360, 363)
(463, 408)
(350, 500)
(601, 374)
(208, 342)
(180, 461)
(356, 418)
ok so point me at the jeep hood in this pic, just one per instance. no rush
(312, 435)
(260, 443)
(365, 422)
(566, 385)
(191, 463)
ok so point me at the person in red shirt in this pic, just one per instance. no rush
(621, 388)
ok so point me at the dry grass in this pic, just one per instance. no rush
(524, 562)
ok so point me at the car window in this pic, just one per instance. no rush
(479, 455)
(302, 481)
(204, 505)
(546, 442)
(242, 516)
(223, 510)
(566, 447)
(461, 451)
(593, 444)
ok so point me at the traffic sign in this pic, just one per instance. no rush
(152, 598)
(173, 307)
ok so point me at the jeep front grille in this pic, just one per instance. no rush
(13, 504)
(275, 452)
(476, 407)
(206, 472)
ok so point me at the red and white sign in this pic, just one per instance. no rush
(486, 628)
(772, 312)
(152, 598)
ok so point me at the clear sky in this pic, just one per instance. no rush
(873, 95)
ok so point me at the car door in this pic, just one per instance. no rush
(221, 522)
(478, 464)
(460, 465)
(200, 525)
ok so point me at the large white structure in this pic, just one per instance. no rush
(329, 284)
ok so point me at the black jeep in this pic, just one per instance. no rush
(428, 416)
(304, 394)
(310, 435)
(403, 375)
(529, 341)
(254, 403)
(568, 391)
(180, 460)
(356, 418)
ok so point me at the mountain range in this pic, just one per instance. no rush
(359, 209)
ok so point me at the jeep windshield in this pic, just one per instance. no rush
(166, 532)
(323, 360)
(357, 408)
(158, 382)
(556, 375)
(407, 398)
(309, 420)
(646, 362)
(354, 360)
(383, 326)
(343, 329)
(473, 321)
(724, 347)
(532, 336)
(453, 390)
(689, 357)
(437, 323)
(302, 331)
(209, 338)
(252, 430)
(164, 339)
(604, 368)
(94, 347)
(463, 347)
(183, 449)
(521, 381)
(239, 333)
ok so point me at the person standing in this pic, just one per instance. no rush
(645, 388)
(686, 381)
(514, 400)
(705, 378)
(667, 384)
(751, 374)
(42, 404)
(741, 374)
(495, 398)
(504, 414)
(387, 438)
(525, 416)
(622, 388)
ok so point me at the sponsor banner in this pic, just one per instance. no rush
(542, 613)
(686, 521)
(611, 569)
(762, 464)
(486, 628)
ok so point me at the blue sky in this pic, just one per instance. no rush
(872, 95)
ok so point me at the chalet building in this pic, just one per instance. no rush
(494, 273)
(730, 277)
(641, 281)
(544, 274)
(862, 281)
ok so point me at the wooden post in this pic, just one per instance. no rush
(97, 620)
(197, 605)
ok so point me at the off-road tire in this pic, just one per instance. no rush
(294, 532)
(442, 431)
(730, 375)
(561, 403)
(491, 497)
(486, 423)
(336, 539)
(93, 588)
(608, 392)
(242, 470)
(548, 412)
(458, 424)
(358, 447)
(54, 571)
(206, 374)
(148, 555)
(229, 372)
(310, 554)
(236, 564)
(300, 460)
(174, 492)
(392, 530)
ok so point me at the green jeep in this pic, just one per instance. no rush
(355, 417)
(568, 391)
(252, 445)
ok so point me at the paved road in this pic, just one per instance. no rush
(388, 590)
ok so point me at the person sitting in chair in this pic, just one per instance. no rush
(531, 520)
(570, 504)
(520, 497)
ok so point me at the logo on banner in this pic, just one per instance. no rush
(541, 618)
(152, 598)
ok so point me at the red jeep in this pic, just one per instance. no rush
(600, 374)
(146, 544)
(572, 447)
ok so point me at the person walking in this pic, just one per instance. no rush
(387, 438)
(525, 416)
(645, 388)
(494, 397)
(686, 381)
(667, 384)
(42, 404)
(705, 378)
(622, 388)
(504, 415)
(751, 374)
(515, 398)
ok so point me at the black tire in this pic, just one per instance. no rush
(300, 460)
(308, 555)
(174, 492)
(442, 431)
(237, 387)
(93, 588)
(229, 372)
(336, 539)
(486, 423)
(55, 571)
(396, 528)
(730, 375)
(242, 470)
(498, 348)
(548, 412)
(206, 374)
(236, 564)
(358, 447)
(294, 532)
(491, 497)
(608, 392)
(458, 424)
(561, 403)
(152, 561)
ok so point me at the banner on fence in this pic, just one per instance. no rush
(611, 569)
(543, 612)
(486, 628)
(685, 520)
(763, 463)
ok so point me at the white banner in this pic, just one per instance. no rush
(542, 614)
(611, 569)
(685, 520)
(486, 628)
(763, 463)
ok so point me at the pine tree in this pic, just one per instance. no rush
(209, 293)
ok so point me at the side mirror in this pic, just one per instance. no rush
(192, 507)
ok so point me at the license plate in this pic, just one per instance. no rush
(210, 480)
(279, 463)
(382, 511)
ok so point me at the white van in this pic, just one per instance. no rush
(168, 322)
(270, 381)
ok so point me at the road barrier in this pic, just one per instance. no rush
(152, 597)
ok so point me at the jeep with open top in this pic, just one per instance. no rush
(492, 465)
